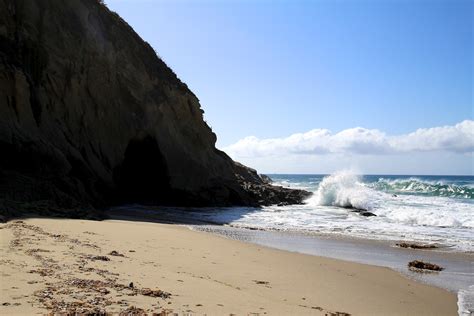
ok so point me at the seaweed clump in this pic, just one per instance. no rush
(420, 265)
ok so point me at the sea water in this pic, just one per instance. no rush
(425, 209)
(435, 210)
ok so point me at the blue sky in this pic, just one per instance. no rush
(270, 69)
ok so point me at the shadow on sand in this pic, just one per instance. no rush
(179, 215)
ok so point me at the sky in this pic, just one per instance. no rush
(382, 86)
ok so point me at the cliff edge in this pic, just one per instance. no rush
(91, 117)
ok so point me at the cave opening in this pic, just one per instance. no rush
(143, 174)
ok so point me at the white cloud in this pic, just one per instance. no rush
(359, 141)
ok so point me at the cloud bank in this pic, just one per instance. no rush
(359, 141)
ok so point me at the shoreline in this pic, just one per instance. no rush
(458, 274)
(381, 253)
(232, 216)
(203, 272)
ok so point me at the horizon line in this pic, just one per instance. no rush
(370, 174)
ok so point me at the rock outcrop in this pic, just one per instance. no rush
(90, 116)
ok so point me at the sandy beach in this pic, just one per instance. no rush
(116, 266)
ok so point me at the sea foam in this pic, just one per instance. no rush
(466, 302)
(344, 189)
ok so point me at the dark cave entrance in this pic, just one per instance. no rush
(143, 175)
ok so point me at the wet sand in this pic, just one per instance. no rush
(458, 267)
(52, 264)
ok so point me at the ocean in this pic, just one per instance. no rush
(426, 209)
(435, 210)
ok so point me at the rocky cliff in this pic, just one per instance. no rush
(90, 116)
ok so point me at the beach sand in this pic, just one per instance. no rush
(65, 264)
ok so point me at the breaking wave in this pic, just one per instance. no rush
(394, 202)
(344, 189)
(420, 187)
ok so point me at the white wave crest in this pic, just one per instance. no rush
(344, 189)
(414, 185)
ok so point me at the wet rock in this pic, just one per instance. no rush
(415, 246)
(418, 264)
(259, 193)
(367, 214)
(360, 211)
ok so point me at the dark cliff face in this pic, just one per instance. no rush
(90, 116)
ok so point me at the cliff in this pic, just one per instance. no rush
(90, 117)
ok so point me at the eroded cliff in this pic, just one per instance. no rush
(90, 116)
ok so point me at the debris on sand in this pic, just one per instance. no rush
(132, 310)
(43, 272)
(155, 293)
(88, 284)
(36, 250)
(101, 258)
(261, 282)
(62, 293)
(415, 246)
(418, 264)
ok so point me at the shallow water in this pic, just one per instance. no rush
(435, 210)
(459, 267)
(428, 209)
(457, 276)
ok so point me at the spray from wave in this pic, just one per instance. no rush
(344, 189)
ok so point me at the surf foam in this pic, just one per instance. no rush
(344, 189)
(466, 302)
